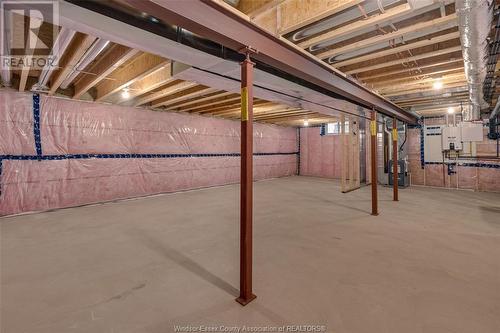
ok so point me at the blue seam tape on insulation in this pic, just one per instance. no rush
(36, 125)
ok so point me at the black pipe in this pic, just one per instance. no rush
(493, 132)
(498, 140)
(151, 24)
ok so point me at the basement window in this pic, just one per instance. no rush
(335, 128)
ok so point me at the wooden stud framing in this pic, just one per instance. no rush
(350, 173)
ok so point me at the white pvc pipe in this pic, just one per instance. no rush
(60, 45)
(96, 48)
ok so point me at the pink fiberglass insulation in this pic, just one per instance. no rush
(480, 174)
(65, 175)
(320, 155)
(16, 124)
(415, 166)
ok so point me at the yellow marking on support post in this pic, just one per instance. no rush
(244, 104)
(395, 134)
(373, 127)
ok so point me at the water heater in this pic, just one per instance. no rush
(451, 138)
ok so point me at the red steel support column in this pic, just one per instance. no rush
(373, 142)
(246, 183)
(395, 159)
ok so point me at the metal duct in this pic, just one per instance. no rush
(490, 81)
(474, 20)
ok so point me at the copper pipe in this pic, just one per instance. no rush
(246, 182)
(373, 142)
(395, 159)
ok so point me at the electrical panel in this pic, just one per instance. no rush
(471, 132)
(451, 138)
(432, 143)
(461, 140)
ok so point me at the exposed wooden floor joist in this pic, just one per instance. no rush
(395, 50)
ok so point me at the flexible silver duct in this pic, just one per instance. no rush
(474, 20)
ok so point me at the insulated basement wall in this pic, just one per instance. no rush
(475, 174)
(58, 153)
(321, 155)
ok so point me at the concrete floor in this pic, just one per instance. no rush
(429, 263)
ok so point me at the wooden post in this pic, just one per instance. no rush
(357, 177)
(246, 182)
(350, 179)
(373, 142)
(395, 159)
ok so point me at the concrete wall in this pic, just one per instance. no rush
(59, 153)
